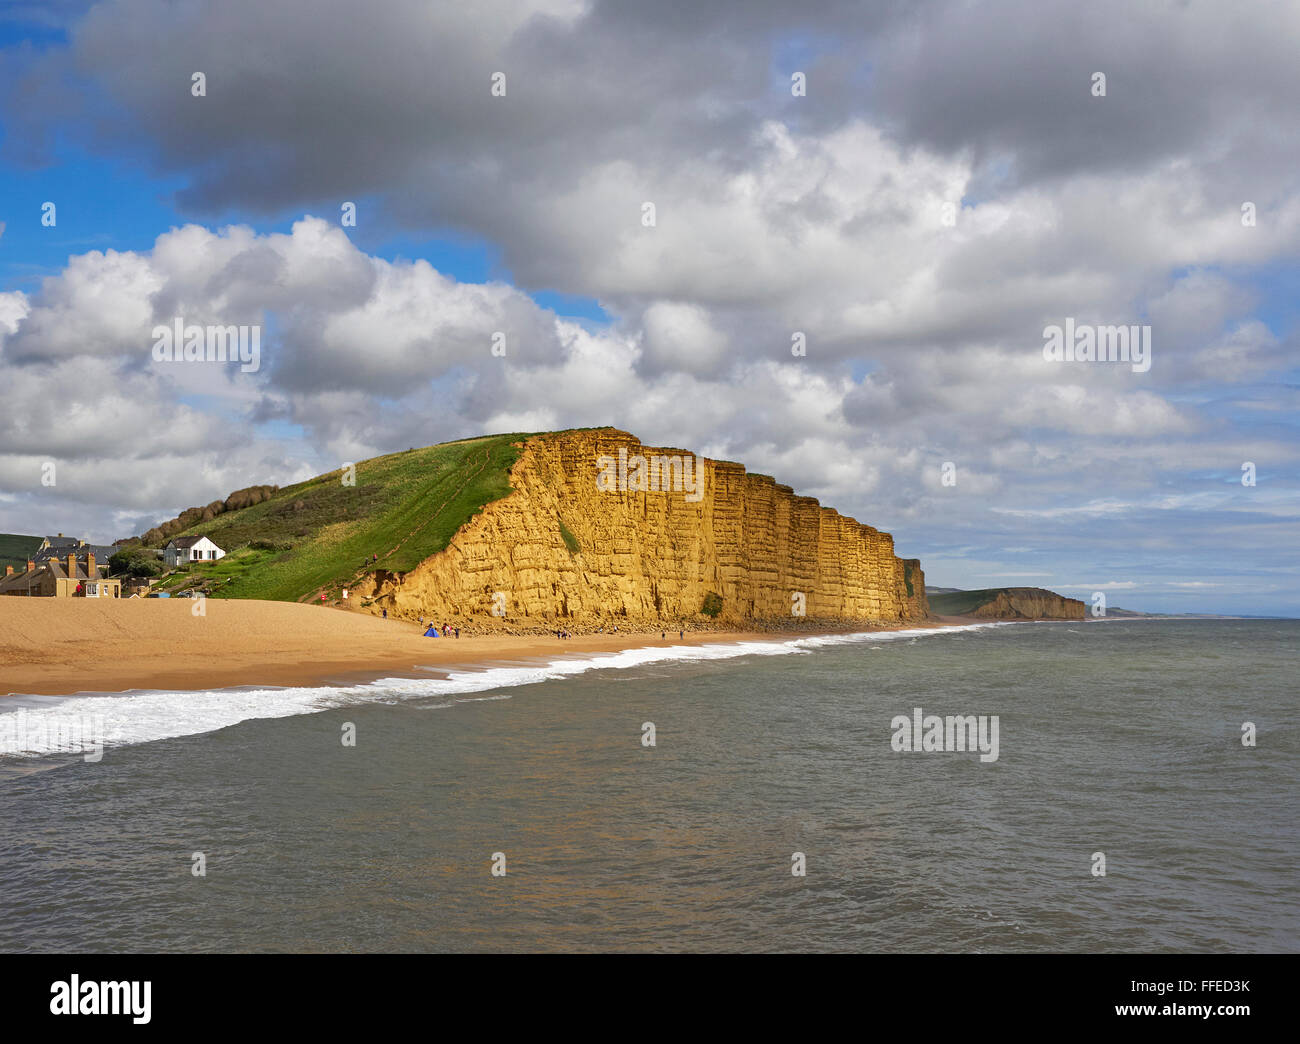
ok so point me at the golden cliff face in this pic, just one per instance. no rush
(651, 543)
(1030, 603)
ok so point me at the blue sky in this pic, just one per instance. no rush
(776, 214)
(106, 204)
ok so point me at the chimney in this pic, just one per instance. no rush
(9, 570)
(72, 567)
(30, 565)
(90, 565)
(60, 535)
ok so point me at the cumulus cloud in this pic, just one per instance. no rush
(682, 337)
(948, 186)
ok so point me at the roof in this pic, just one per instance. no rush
(55, 566)
(102, 552)
(60, 541)
(18, 581)
(190, 541)
(59, 568)
(60, 571)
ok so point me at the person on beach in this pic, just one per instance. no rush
(385, 614)
(431, 632)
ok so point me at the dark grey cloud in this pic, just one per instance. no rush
(775, 214)
(1011, 82)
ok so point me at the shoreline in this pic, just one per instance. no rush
(57, 647)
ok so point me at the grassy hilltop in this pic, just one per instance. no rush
(314, 536)
(16, 549)
(1006, 603)
(953, 602)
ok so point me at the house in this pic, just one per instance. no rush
(136, 586)
(61, 578)
(58, 547)
(191, 549)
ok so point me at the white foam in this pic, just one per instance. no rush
(147, 716)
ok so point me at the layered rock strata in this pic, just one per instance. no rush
(602, 530)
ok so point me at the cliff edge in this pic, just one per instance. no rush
(1008, 603)
(602, 530)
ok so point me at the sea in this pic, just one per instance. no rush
(770, 796)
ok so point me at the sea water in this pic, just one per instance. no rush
(720, 797)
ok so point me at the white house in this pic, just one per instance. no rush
(191, 549)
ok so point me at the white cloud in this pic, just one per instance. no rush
(822, 215)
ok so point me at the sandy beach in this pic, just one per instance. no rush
(52, 646)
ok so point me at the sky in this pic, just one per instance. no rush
(919, 188)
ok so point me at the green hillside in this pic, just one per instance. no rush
(959, 603)
(16, 549)
(319, 535)
(1016, 603)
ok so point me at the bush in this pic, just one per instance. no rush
(268, 545)
(243, 498)
(712, 604)
(570, 541)
(134, 561)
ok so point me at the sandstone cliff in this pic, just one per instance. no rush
(567, 549)
(1010, 603)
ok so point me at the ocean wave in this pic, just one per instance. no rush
(35, 726)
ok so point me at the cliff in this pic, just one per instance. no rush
(602, 530)
(1009, 603)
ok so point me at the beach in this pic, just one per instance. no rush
(55, 646)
